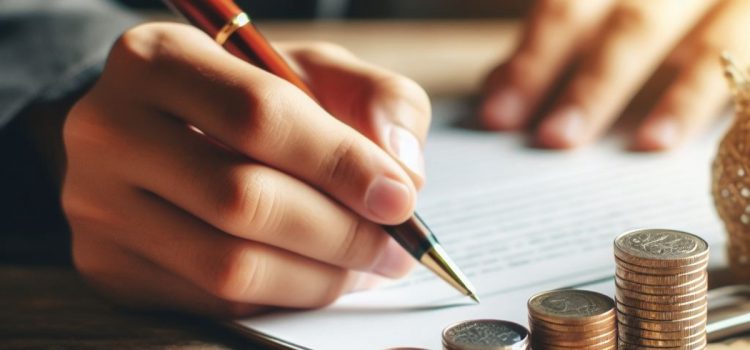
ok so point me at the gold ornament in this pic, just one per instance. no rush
(731, 172)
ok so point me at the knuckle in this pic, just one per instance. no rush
(341, 165)
(258, 114)
(139, 45)
(148, 47)
(247, 200)
(74, 125)
(238, 276)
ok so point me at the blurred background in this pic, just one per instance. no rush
(409, 9)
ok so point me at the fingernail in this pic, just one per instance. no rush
(504, 110)
(393, 261)
(563, 129)
(387, 199)
(659, 133)
(407, 149)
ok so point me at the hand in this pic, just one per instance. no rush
(612, 48)
(199, 182)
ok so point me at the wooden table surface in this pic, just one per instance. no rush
(51, 308)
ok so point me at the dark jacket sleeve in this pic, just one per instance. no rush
(50, 51)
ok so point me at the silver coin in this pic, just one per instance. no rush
(485, 335)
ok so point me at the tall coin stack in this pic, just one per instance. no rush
(572, 319)
(661, 289)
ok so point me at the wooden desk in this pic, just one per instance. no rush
(51, 308)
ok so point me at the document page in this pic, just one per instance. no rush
(518, 221)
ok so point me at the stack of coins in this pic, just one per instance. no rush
(572, 319)
(485, 335)
(661, 290)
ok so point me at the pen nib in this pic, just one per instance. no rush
(437, 260)
(474, 297)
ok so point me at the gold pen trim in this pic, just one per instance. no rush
(239, 21)
(436, 259)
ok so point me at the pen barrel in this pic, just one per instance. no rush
(413, 235)
(246, 42)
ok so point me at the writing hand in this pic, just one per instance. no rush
(199, 182)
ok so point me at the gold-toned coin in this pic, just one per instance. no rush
(661, 299)
(697, 266)
(571, 306)
(681, 334)
(659, 280)
(661, 343)
(553, 336)
(540, 345)
(598, 326)
(661, 315)
(625, 346)
(643, 305)
(606, 338)
(687, 288)
(660, 248)
(608, 346)
(659, 326)
(622, 345)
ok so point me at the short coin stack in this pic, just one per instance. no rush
(485, 335)
(661, 290)
(572, 319)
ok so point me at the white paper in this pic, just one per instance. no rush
(518, 221)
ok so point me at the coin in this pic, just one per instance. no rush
(485, 335)
(640, 304)
(666, 326)
(612, 346)
(554, 336)
(700, 345)
(571, 306)
(698, 266)
(625, 346)
(660, 248)
(569, 319)
(681, 334)
(601, 339)
(662, 343)
(597, 326)
(661, 299)
(661, 315)
(658, 280)
(692, 286)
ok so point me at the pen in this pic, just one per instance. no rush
(233, 29)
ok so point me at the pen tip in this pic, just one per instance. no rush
(474, 297)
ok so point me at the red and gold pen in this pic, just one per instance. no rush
(231, 27)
